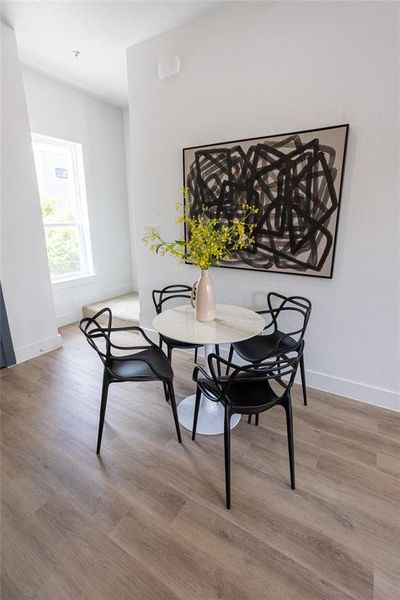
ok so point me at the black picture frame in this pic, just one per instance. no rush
(335, 184)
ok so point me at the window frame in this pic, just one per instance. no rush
(82, 217)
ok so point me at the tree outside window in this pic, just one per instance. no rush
(60, 173)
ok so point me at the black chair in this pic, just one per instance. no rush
(295, 309)
(167, 294)
(248, 391)
(145, 363)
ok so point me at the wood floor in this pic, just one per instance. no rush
(147, 521)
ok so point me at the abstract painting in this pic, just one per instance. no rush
(295, 181)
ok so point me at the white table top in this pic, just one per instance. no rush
(232, 324)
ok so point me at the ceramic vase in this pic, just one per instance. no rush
(203, 299)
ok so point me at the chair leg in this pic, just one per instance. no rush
(227, 448)
(174, 411)
(196, 412)
(166, 391)
(195, 355)
(169, 353)
(289, 425)
(104, 394)
(303, 379)
(218, 364)
(229, 359)
(249, 419)
(257, 418)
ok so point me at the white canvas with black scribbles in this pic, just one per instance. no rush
(295, 181)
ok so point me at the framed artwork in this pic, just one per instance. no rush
(295, 181)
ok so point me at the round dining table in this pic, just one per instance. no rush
(231, 324)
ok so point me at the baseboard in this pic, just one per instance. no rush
(354, 390)
(67, 318)
(90, 297)
(117, 291)
(100, 294)
(32, 350)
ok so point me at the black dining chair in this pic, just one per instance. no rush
(168, 294)
(295, 310)
(142, 363)
(250, 389)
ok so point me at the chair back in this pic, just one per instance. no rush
(169, 293)
(289, 314)
(101, 338)
(280, 369)
(98, 335)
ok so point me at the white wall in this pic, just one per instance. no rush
(24, 268)
(251, 69)
(63, 112)
(129, 184)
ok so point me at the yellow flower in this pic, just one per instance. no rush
(209, 240)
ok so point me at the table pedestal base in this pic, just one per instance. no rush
(211, 416)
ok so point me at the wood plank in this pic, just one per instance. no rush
(147, 519)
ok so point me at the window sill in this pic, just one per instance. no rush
(75, 281)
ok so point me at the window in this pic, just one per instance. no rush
(61, 180)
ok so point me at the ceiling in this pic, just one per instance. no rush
(48, 33)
